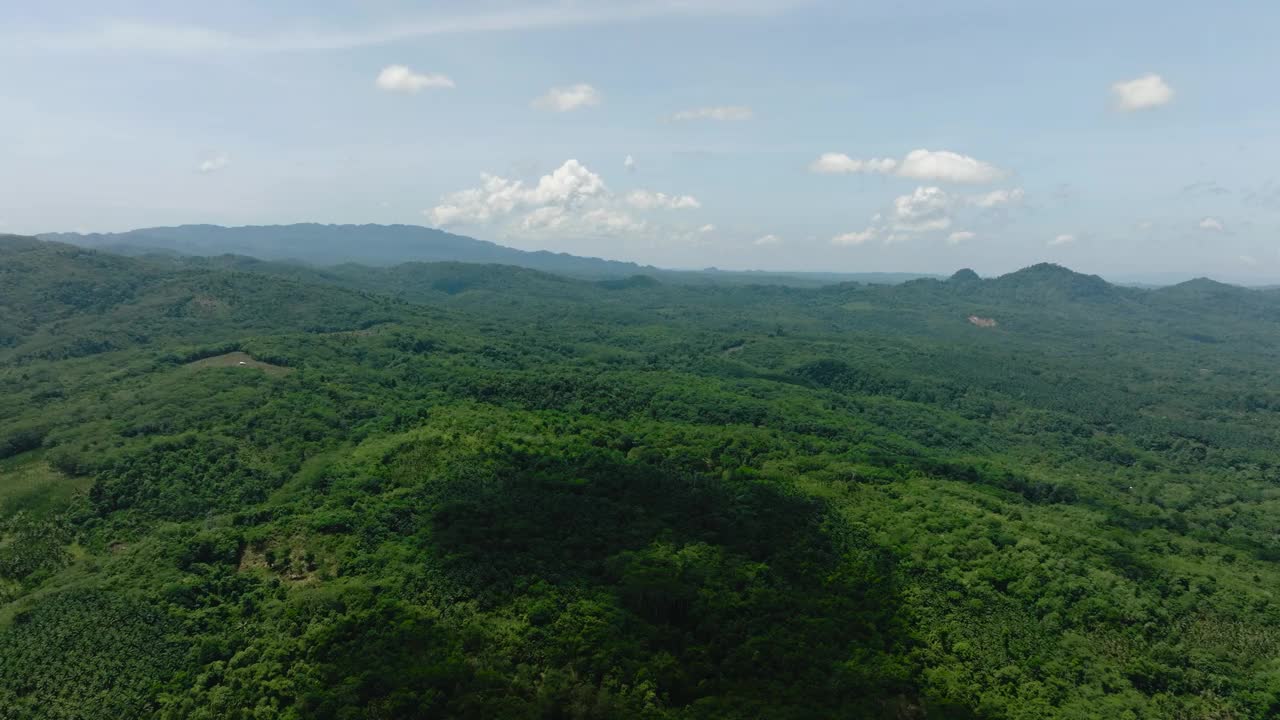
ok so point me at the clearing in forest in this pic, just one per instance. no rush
(28, 482)
(239, 360)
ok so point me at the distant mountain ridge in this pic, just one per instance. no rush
(385, 245)
(317, 244)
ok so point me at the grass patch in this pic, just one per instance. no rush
(239, 360)
(29, 483)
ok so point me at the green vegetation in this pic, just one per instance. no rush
(442, 490)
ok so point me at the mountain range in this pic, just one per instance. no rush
(381, 245)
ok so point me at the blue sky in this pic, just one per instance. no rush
(1120, 138)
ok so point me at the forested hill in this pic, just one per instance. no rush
(235, 488)
(382, 245)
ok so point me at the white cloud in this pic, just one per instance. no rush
(1146, 225)
(606, 220)
(1212, 224)
(1141, 93)
(708, 228)
(723, 112)
(854, 238)
(544, 218)
(399, 78)
(924, 210)
(998, 198)
(947, 166)
(648, 200)
(571, 221)
(1248, 260)
(564, 99)
(922, 202)
(571, 201)
(568, 182)
(921, 164)
(214, 164)
(629, 163)
(924, 226)
(841, 164)
(960, 236)
(1062, 239)
(497, 196)
(768, 240)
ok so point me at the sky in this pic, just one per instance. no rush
(1133, 139)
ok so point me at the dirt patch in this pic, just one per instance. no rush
(240, 360)
(983, 322)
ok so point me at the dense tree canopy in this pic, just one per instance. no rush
(445, 490)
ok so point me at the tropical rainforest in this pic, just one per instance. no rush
(235, 488)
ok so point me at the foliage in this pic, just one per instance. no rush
(490, 492)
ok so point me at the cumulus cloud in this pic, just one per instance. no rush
(924, 210)
(1141, 93)
(609, 221)
(960, 236)
(854, 238)
(768, 240)
(722, 112)
(998, 198)
(214, 164)
(1212, 224)
(399, 78)
(497, 196)
(1063, 239)
(840, 164)
(648, 200)
(572, 221)
(544, 218)
(629, 163)
(564, 99)
(570, 201)
(707, 228)
(947, 166)
(920, 164)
